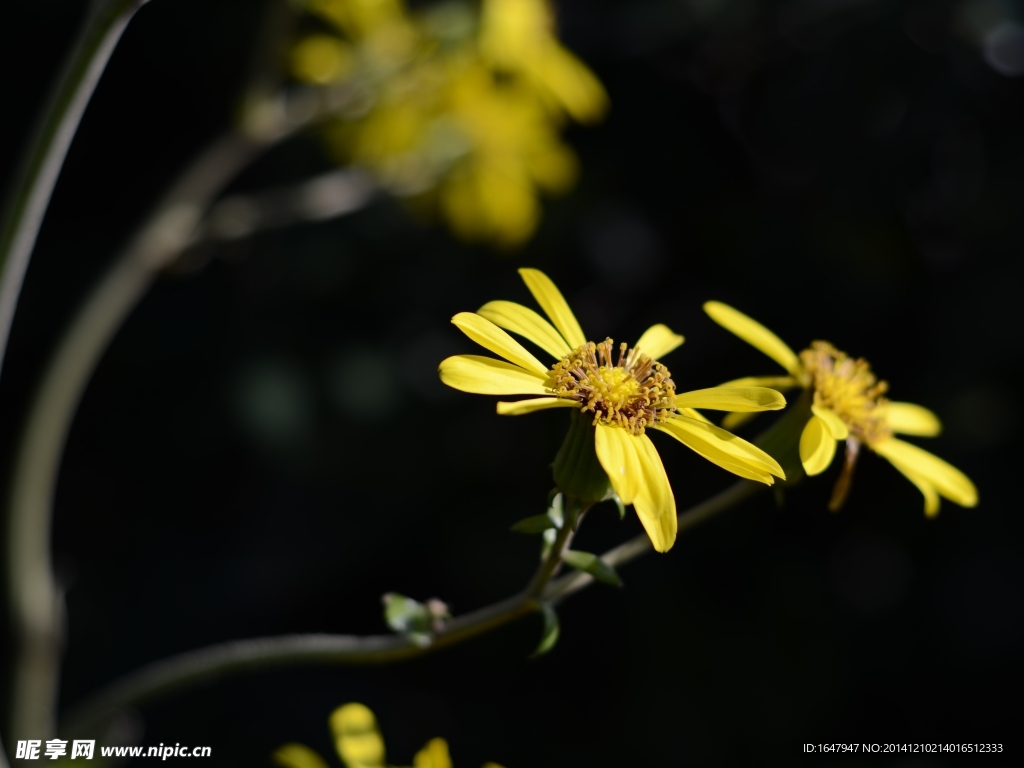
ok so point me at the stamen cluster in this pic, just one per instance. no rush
(849, 389)
(632, 392)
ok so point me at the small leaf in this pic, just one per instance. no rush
(556, 510)
(551, 631)
(549, 540)
(406, 616)
(592, 564)
(535, 524)
(620, 505)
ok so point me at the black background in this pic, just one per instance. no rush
(265, 448)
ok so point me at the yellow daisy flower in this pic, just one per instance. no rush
(359, 744)
(626, 393)
(848, 404)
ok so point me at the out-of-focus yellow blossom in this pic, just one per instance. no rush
(460, 110)
(626, 392)
(359, 744)
(849, 404)
(519, 36)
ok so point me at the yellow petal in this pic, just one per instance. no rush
(740, 399)
(491, 337)
(781, 383)
(817, 446)
(723, 448)
(931, 496)
(910, 419)
(521, 407)
(528, 324)
(658, 340)
(434, 755)
(356, 736)
(654, 502)
(554, 306)
(695, 415)
(297, 756)
(733, 421)
(836, 426)
(619, 460)
(487, 376)
(754, 334)
(949, 481)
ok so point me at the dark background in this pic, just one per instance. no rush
(265, 449)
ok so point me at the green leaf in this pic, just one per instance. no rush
(535, 524)
(620, 505)
(406, 616)
(592, 564)
(551, 631)
(556, 510)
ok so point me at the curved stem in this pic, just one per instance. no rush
(211, 663)
(31, 193)
(36, 603)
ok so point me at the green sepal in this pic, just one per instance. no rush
(577, 471)
(550, 633)
(535, 524)
(621, 507)
(406, 616)
(592, 564)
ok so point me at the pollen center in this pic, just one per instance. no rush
(632, 391)
(849, 389)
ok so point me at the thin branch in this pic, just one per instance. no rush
(36, 603)
(217, 661)
(31, 194)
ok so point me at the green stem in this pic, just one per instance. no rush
(34, 597)
(217, 661)
(31, 194)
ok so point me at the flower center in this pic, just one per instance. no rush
(631, 392)
(849, 389)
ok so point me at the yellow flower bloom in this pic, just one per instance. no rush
(848, 404)
(359, 744)
(627, 393)
(452, 113)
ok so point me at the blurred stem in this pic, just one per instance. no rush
(214, 662)
(36, 603)
(31, 194)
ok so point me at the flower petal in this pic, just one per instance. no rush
(356, 736)
(554, 306)
(817, 446)
(781, 383)
(947, 479)
(538, 404)
(491, 337)
(836, 426)
(911, 419)
(487, 376)
(619, 460)
(433, 755)
(931, 496)
(732, 421)
(695, 415)
(297, 756)
(528, 324)
(741, 399)
(658, 340)
(754, 334)
(654, 502)
(723, 448)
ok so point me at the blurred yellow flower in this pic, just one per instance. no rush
(626, 393)
(465, 113)
(359, 744)
(848, 404)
